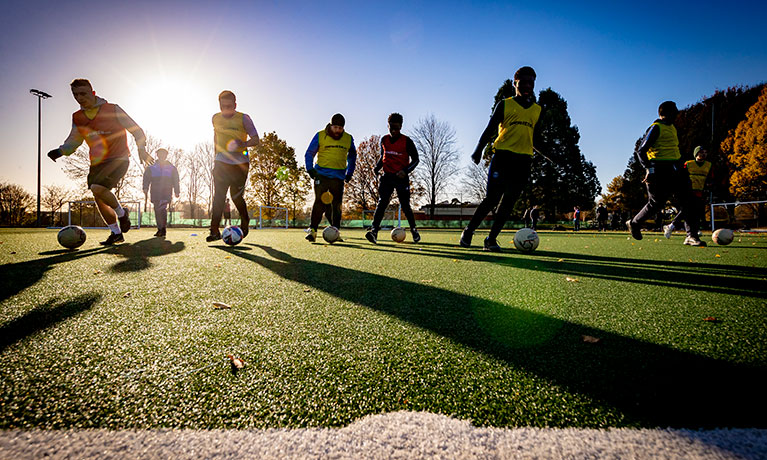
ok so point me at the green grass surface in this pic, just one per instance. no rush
(127, 337)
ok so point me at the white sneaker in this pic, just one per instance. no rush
(667, 230)
(689, 241)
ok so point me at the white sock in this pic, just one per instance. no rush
(119, 210)
(115, 228)
(671, 225)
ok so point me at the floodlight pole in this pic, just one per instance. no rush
(40, 96)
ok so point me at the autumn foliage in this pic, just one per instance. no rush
(746, 148)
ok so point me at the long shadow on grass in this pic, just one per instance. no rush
(43, 317)
(651, 384)
(724, 279)
(137, 255)
(19, 276)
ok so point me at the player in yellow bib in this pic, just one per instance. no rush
(699, 170)
(659, 154)
(513, 125)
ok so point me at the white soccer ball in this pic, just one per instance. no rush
(526, 240)
(71, 236)
(398, 234)
(232, 235)
(723, 236)
(330, 234)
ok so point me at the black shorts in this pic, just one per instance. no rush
(108, 173)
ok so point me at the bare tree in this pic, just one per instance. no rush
(54, 198)
(362, 191)
(439, 157)
(197, 170)
(474, 181)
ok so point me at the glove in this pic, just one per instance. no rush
(312, 173)
(348, 178)
(55, 154)
(476, 156)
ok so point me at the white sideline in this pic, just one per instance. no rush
(400, 435)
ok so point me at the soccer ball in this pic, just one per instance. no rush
(398, 234)
(723, 236)
(231, 235)
(526, 240)
(71, 236)
(330, 234)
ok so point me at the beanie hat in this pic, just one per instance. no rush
(338, 119)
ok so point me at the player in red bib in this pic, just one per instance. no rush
(102, 126)
(399, 157)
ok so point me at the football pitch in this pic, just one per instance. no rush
(590, 330)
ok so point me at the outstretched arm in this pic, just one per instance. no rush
(138, 134)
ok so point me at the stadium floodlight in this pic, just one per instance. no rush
(40, 96)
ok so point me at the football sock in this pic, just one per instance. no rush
(119, 210)
(115, 228)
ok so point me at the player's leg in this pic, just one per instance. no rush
(318, 207)
(101, 179)
(161, 216)
(239, 173)
(385, 190)
(513, 178)
(337, 189)
(403, 194)
(220, 187)
(657, 194)
(492, 198)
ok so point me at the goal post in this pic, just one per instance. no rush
(85, 214)
(392, 218)
(735, 205)
(269, 217)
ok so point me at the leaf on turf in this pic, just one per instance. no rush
(221, 306)
(427, 281)
(307, 290)
(656, 240)
(237, 363)
(711, 319)
(690, 260)
(590, 339)
(228, 257)
(561, 260)
(126, 295)
(97, 272)
(717, 255)
(572, 280)
(218, 265)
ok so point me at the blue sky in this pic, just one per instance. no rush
(294, 64)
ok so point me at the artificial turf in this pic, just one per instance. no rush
(128, 337)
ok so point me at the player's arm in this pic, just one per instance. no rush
(651, 135)
(73, 141)
(314, 147)
(138, 134)
(176, 187)
(490, 132)
(250, 128)
(351, 161)
(412, 152)
(147, 180)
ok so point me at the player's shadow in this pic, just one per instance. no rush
(44, 316)
(652, 385)
(19, 276)
(137, 255)
(724, 279)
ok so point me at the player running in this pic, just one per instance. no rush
(699, 170)
(659, 154)
(336, 159)
(399, 157)
(513, 126)
(162, 178)
(233, 133)
(102, 126)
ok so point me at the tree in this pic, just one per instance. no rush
(746, 149)
(54, 197)
(362, 191)
(274, 175)
(196, 167)
(297, 186)
(14, 202)
(435, 141)
(474, 181)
